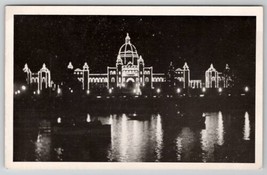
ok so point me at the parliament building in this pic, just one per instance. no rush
(131, 73)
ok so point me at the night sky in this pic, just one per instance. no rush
(200, 41)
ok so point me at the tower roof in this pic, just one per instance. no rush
(119, 58)
(211, 68)
(70, 66)
(140, 59)
(185, 66)
(26, 68)
(85, 66)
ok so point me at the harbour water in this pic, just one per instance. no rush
(146, 137)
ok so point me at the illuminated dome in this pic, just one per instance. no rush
(128, 52)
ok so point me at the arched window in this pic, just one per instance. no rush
(112, 80)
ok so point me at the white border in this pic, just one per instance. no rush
(131, 10)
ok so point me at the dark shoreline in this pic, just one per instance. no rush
(120, 104)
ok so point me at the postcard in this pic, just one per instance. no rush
(133, 87)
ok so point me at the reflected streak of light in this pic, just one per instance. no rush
(137, 145)
(220, 129)
(209, 137)
(135, 130)
(42, 147)
(110, 120)
(159, 139)
(187, 142)
(246, 130)
(204, 134)
(124, 138)
(179, 148)
(59, 152)
(110, 151)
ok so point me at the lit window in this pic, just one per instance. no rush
(146, 79)
(113, 80)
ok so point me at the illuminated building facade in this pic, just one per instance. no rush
(213, 78)
(42, 78)
(130, 73)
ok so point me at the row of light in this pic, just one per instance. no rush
(246, 89)
(23, 88)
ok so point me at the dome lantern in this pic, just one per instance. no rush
(128, 52)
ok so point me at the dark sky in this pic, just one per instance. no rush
(200, 41)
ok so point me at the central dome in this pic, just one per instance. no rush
(128, 52)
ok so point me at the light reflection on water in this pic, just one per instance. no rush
(212, 134)
(246, 127)
(154, 138)
(43, 147)
(159, 137)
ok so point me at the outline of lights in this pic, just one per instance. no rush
(158, 90)
(220, 90)
(23, 87)
(246, 89)
(204, 89)
(87, 92)
(34, 92)
(18, 92)
(38, 92)
(110, 91)
(71, 91)
(178, 90)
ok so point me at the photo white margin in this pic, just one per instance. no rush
(10, 11)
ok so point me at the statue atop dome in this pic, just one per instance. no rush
(127, 39)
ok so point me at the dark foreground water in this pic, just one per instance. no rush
(222, 137)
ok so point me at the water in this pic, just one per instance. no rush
(223, 137)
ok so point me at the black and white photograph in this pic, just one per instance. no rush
(121, 84)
